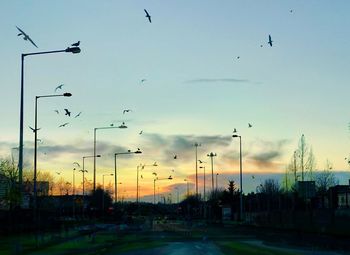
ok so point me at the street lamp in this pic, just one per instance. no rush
(137, 178)
(138, 151)
(203, 167)
(103, 190)
(216, 181)
(212, 155)
(196, 145)
(73, 50)
(36, 140)
(240, 175)
(188, 188)
(85, 171)
(154, 186)
(95, 129)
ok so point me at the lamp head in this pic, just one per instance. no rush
(138, 151)
(73, 50)
(67, 94)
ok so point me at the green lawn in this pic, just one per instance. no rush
(239, 248)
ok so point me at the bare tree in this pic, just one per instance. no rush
(325, 179)
(306, 158)
(270, 187)
(10, 172)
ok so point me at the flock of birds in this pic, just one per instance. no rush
(68, 113)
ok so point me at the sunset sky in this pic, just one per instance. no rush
(206, 74)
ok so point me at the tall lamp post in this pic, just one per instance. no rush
(36, 142)
(138, 151)
(216, 181)
(73, 50)
(137, 178)
(103, 190)
(240, 175)
(95, 130)
(212, 155)
(197, 145)
(203, 167)
(85, 171)
(154, 186)
(188, 187)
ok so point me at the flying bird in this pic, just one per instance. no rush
(33, 129)
(270, 40)
(127, 110)
(154, 173)
(67, 112)
(56, 111)
(175, 156)
(141, 176)
(76, 163)
(173, 170)
(25, 36)
(76, 44)
(200, 161)
(253, 177)
(249, 125)
(39, 140)
(76, 116)
(148, 16)
(58, 173)
(63, 125)
(111, 125)
(234, 130)
(143, 80)
(59, 87)
(141, 132)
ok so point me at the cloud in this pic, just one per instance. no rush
(225, 80)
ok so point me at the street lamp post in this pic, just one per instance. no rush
(188, 188)
(95, 129)
(196, 145)
(36, 143)
(73, 50)
(103, 190)
(216, 180)
(203, 167)
(138, 151)
(85, 171)
(154, 186)
(212, 155)
(240, 175)
(137, 178)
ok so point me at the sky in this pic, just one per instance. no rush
(205, 74)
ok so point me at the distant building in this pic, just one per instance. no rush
(306, 189)
(42, 188)
(339, 196)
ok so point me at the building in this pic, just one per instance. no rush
(306, 189)
(339, 196)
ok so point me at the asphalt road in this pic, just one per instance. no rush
(181, 248)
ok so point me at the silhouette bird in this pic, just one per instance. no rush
(253, 177)
(25, 36)
(173, 170)
(76, 44)
(39, 140)
(249, 125)
(111, 125)
(290, 11)
(33, 129)
(175, 156)
(234, 130)
(154, 173)
(58, 173)
(141, 176)
(200, 161)
(141, 132)
(76, 116)
(67, 112)
(143, 80)
(56, 111)
(261, 45)
(270, 40)
(59, 87)
(63, 125)
(238, 57)
(127, 110)
(76, 163)
(148, 16)
(122, 125)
